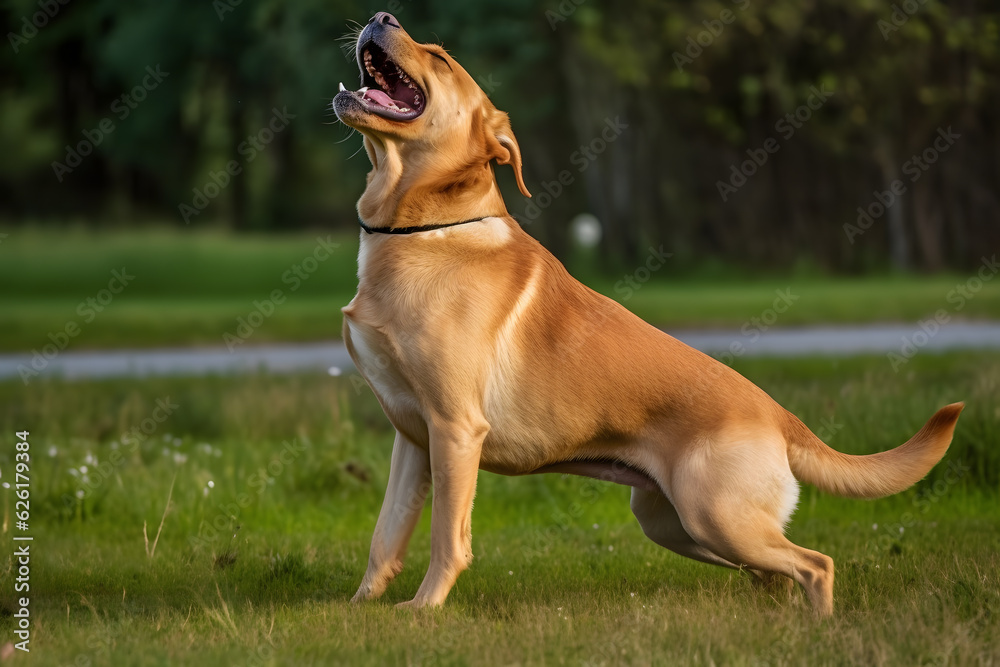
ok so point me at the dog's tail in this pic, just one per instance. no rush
(873, 475)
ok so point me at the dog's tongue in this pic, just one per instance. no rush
(379, 97)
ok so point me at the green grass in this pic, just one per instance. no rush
(562, 572)
(192, 288)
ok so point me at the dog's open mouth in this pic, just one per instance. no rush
(387, 90)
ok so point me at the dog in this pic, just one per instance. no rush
(485, 354)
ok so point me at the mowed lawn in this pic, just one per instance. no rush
(77, 289)
(260, 552)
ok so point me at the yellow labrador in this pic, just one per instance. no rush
(487, 355)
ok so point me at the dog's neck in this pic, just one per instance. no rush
(403, 192)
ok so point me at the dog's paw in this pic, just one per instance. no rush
(418, 603)
(366, 592)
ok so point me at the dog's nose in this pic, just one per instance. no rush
(385, 18)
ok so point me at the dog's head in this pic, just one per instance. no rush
(429, 130)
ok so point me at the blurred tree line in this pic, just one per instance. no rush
(849, 134)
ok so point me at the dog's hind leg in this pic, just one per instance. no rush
(409, 482)
(738, 512)
(661, 524)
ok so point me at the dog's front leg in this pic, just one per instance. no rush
(455, 451)
(409, 482)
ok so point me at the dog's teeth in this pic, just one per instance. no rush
(341, 88)
(363, 90)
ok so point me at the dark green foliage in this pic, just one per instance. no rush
(563, 71)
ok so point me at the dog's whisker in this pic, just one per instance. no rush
(360, 148)
(350, 134)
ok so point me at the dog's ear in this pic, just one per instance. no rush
(503, 146)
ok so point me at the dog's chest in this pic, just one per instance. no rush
(377, 363)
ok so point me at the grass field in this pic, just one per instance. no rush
(187, 288)
(256, 568)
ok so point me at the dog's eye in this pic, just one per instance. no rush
(441, 58)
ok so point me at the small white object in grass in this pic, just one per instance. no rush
(596, 526)
(874, 526)
(610, 548)
(83, 469)
(334, 371)
(180, 458)
(79, 494)
(211, 484)
(53, 451)
(510, 572)
(586, 230)
(89, 459)
(73, 471)
(6, 485)
(900, 530)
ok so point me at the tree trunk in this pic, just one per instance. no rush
(899, 242)
(237, 133)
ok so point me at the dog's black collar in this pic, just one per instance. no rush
(411, 230)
